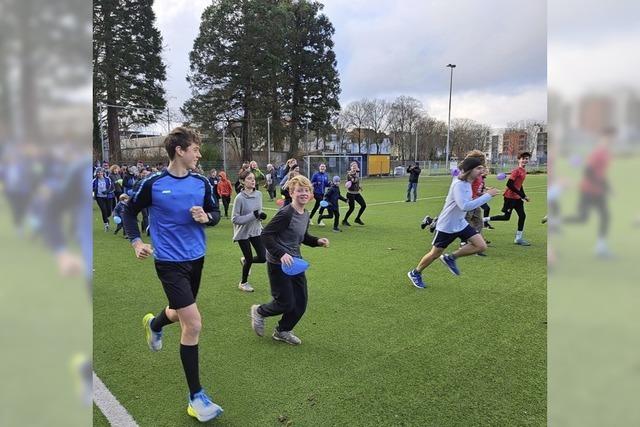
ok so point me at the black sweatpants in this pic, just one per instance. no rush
(352, 199)
(332, 213)
(289, 297)
(260, 258)
(105, 208)
(485, 210)
(509, 206)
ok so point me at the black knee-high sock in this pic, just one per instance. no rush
(160, 321)
(189, 357)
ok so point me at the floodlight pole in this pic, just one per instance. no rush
(452, 66)
(269, 138)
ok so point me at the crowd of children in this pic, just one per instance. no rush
(176, 226)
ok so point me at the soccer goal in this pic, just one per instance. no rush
(336, 164)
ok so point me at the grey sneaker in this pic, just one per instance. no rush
(286, 336)
(522, 242)
(257, 321)
(246, 287)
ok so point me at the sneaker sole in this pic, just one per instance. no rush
(449, 268)
(195, 415)
(409, 276)
(245, 290)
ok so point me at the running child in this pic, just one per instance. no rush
(332, 197)
(282, 238)
(514, 197)
(246, 216)
(451, 223)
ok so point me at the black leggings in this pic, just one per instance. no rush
(318, 198)
(509, 206)
(352, 199)
(105, 208)
(588, 202)
(260, 258)
(333, 213)
(485, 210)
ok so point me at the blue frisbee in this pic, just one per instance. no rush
(324, 204)
(298, 266)
(117, 219)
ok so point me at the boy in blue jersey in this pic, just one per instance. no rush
(180, 204)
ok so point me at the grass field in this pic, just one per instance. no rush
(468, 350)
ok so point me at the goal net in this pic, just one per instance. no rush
(336, 164)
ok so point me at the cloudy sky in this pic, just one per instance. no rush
(387, 48)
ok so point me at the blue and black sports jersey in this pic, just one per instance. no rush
(176, 235)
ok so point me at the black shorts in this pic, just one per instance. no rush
(511, 204)
(180, 280)
(442, 239)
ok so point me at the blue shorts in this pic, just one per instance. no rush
(442, 239)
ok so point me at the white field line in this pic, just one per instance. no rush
(115, 413)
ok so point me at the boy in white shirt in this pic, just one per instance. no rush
(452, 223)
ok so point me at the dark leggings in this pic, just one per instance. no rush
(485, 210)
(518, 206)
(333, 213)
(587, 202)
(318, 198)
(289, 297)
(352, 199)
(260, 258)
(105, 208)
(225, 202)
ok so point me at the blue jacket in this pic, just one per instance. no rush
(110, 187)
(320, 181)
(332, 196)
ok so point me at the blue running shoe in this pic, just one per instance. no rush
(450, 262)
(416, 279)
(202, 407)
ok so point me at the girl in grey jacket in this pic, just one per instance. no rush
(246, 217)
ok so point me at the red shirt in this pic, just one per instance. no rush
(517, 176)
(598, 162)
(476, 187)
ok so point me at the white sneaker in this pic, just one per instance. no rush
(286, 336)
(321, 224)
(245, 287)
(257, 321)
(202, 407)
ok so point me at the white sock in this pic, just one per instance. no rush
(518, 235)
(486, 218)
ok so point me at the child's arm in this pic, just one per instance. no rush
(236, 217)
(464, 202)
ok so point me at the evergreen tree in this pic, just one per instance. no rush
(128, 69)
(258, 58)
(313, 84)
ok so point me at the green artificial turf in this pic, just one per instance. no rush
(468, 350)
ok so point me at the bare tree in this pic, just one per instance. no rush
(467, 135)
(377, 113)
(357, 119)
(432, 137)
(403, 117)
